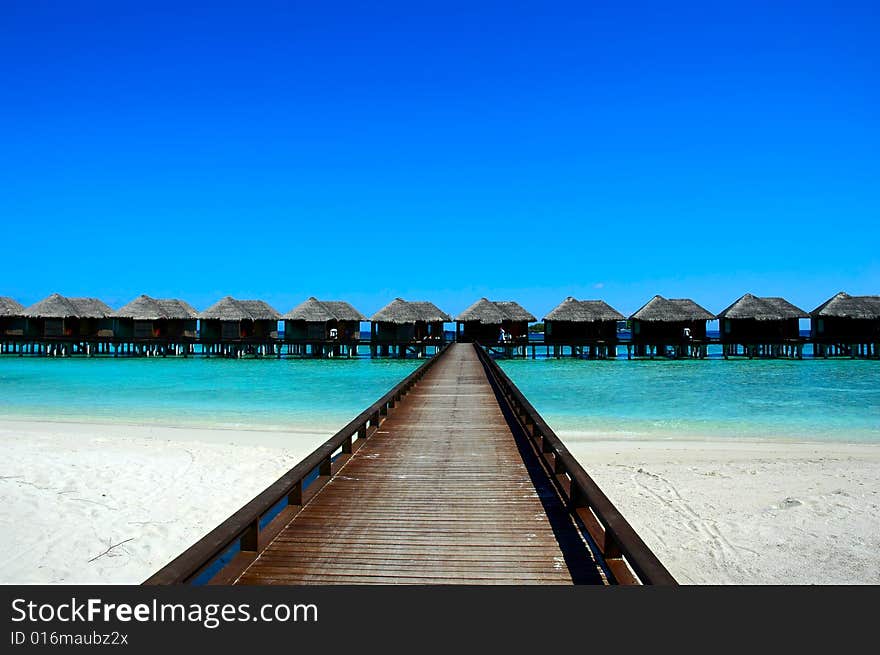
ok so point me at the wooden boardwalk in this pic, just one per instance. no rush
(451, 477)
(444, 492)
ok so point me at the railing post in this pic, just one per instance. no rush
(250, 539)
(577, 497)
(611, 548)
(558, 465)
(295, 497)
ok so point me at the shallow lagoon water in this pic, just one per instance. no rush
(257, 394)
(828, 400)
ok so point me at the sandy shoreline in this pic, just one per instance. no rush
(747, 512)
(714, 512)
(70, 490)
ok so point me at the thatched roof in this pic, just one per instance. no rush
(762, 309)
(321, 311)
(844, 305)
(230, 309)
(494, 312)
(145, 308)
(515, 311)
(10, 307)
(57, 306)
(404, 311)
(584, 311)
(671, 310)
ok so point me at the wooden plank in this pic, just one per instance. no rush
(442, 493)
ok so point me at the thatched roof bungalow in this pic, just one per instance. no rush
(323, 320)
(581, 321)
(669, 321)
(12, 320)
(58, 316)
(230, 319)
(847, 319)
(156, 318)
(484, 321)
(756, 320)
(403, 321)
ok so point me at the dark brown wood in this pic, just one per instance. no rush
(190, 564)
(234, 569)
(450, 478)
(628, 557)
(443, 493)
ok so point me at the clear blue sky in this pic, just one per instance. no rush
(440, 151)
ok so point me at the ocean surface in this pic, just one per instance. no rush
(269, 394)
(829, 400)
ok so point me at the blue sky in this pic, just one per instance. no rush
(440, 151)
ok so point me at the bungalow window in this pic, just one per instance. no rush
(53, 328)
(820, 325)
(726, 326)
(143, 329)
(230, 330)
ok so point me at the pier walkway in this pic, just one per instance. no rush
(451, 481)
(440, 494)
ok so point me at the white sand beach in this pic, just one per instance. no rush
(747, 512)
(739, 512)
(69, 491)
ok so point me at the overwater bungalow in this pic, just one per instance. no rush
(670, 325)
(323, 327)
(235, 328)
(64, 326)
(12, 324)
(156, 319)
(764, 327)
(60, 317)
(12, 320)
(579, 324)
(847, 325)
(403, 326)
(230, 319)
(494, 321)
(155, 326)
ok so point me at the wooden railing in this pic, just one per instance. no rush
(221, 555)
(627, 558)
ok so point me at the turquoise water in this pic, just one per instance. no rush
(758, 399)
(257, 394)
(828, 400)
